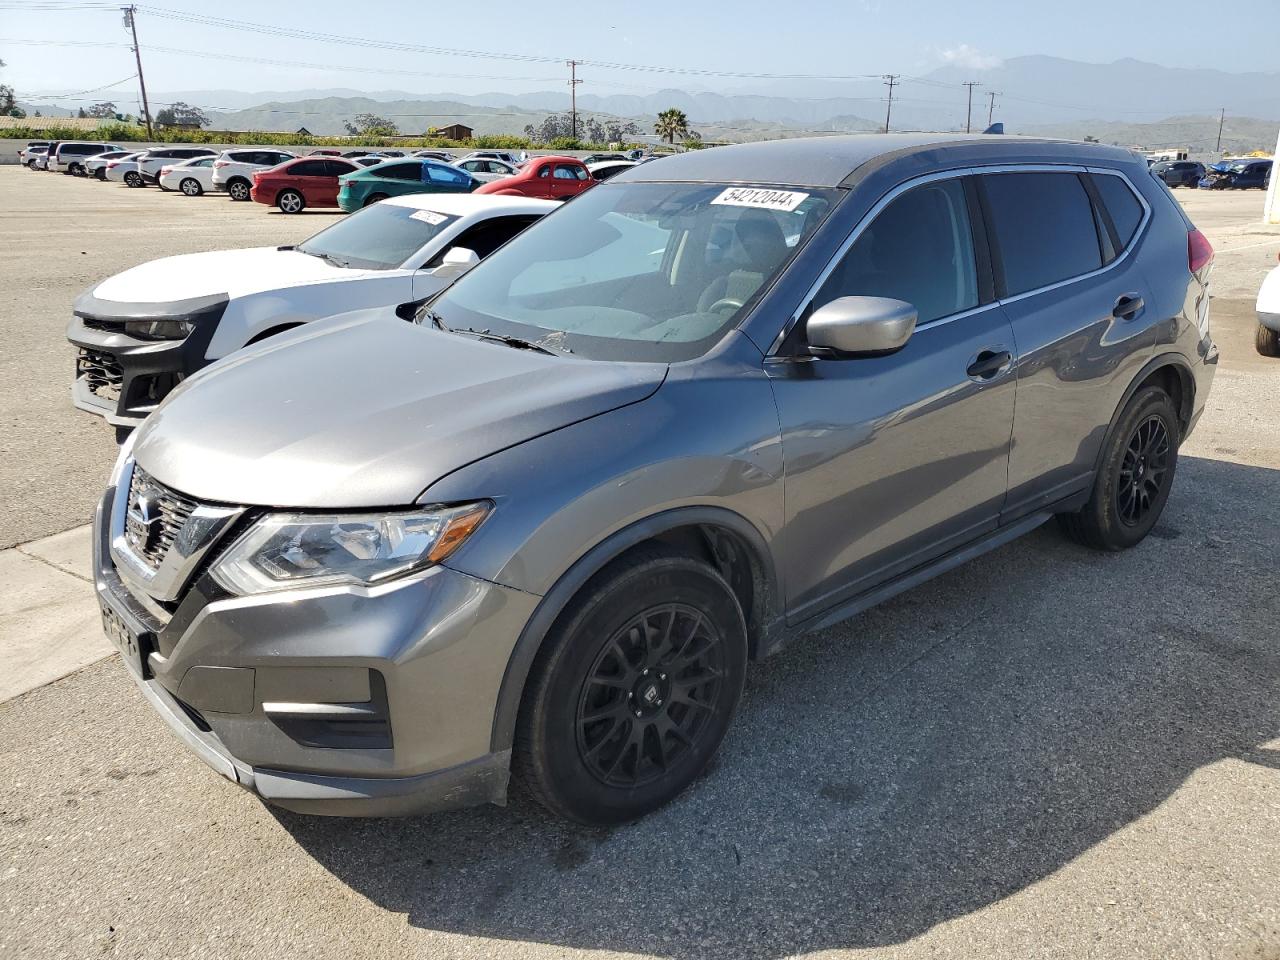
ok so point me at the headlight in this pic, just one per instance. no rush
(297, 550)
(159, 329)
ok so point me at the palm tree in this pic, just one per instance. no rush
(672, 123)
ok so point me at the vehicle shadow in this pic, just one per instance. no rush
(930, 758)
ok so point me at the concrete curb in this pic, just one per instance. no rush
(49, 620)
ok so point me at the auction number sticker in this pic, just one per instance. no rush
(784, 200)
(428, 216)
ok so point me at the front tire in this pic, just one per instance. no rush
(190, 186)
(1135, 477)
(238, 189)
(290, 201)
(134, 179)
(633, 690)
(1267, 341)
(371, 200)
(101, 173)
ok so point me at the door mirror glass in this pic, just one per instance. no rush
(860, 326)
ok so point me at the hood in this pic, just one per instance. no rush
(366, 410)
(233, 272)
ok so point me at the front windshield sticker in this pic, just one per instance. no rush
(784, 200)
(429, 216)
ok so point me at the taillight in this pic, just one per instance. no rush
(1199, 251)
(222, 163)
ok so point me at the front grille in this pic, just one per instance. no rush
(151, 528)
(109, 326)
(102, 372)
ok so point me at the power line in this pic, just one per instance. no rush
(81, 93)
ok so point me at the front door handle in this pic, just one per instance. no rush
(1127, 307)
(988, 364)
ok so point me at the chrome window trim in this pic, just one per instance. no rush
(906, 185)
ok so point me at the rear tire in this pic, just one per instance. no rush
(1134, 478)
(1267, 341)
(633, 689)
(290, 201)
(191, 187)
(101, 173)
(238, 189)
(371, 200)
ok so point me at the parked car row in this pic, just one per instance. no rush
(1224, 175)
(533, 515)
(326, 177)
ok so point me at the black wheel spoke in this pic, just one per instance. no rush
(650, 695)
(1143, 470)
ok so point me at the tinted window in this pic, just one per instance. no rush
(919, 249)
(1126, 212)
(337, 168)
(308, 168)
(399, 171)
(1044, 228)
(486, 237)
(243, 156)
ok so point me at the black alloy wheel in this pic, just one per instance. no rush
(1140, 480)
(648, 696)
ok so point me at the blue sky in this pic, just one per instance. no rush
(799, 36)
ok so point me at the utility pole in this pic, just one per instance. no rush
(573, 94)
(890, 80)
(130, 14)
(991, 109)
(1221, 116)
(968, 113)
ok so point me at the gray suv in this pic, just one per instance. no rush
(543, 524)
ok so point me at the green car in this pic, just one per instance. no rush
(395, 178)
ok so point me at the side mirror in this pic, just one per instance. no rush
(456, 262)
(866, 326)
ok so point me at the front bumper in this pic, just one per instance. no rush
(265, 689)
(124, 378)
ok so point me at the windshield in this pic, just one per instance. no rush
(380, 237)
(638, 271)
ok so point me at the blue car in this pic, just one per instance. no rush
(1237, 175)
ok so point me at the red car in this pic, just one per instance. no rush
(297, 184)
(547, 178)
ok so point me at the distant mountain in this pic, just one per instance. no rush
(1031, 90)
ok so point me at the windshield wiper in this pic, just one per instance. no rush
(518, 342)
(326, 257)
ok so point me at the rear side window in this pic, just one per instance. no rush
(400, 171)
(1044, 228)
(442, 174)
(308, 168)
(243, 157)
(1126, 212)
(336, 168)
(919, 249)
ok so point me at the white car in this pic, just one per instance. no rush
(604, 169)
(32, 155)
(141, 332)
(486, 169)
(157, 158)
(96, 166)
(193, 177)
(23, 152)
(68, 156)
(1268, 307)
(233, 170)
(125, 169)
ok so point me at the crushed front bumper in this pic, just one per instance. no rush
(123, 378)
(337, 701)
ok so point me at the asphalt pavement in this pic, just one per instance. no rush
(1048, 752)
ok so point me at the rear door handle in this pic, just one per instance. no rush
(1128, 307)
(988, 364)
